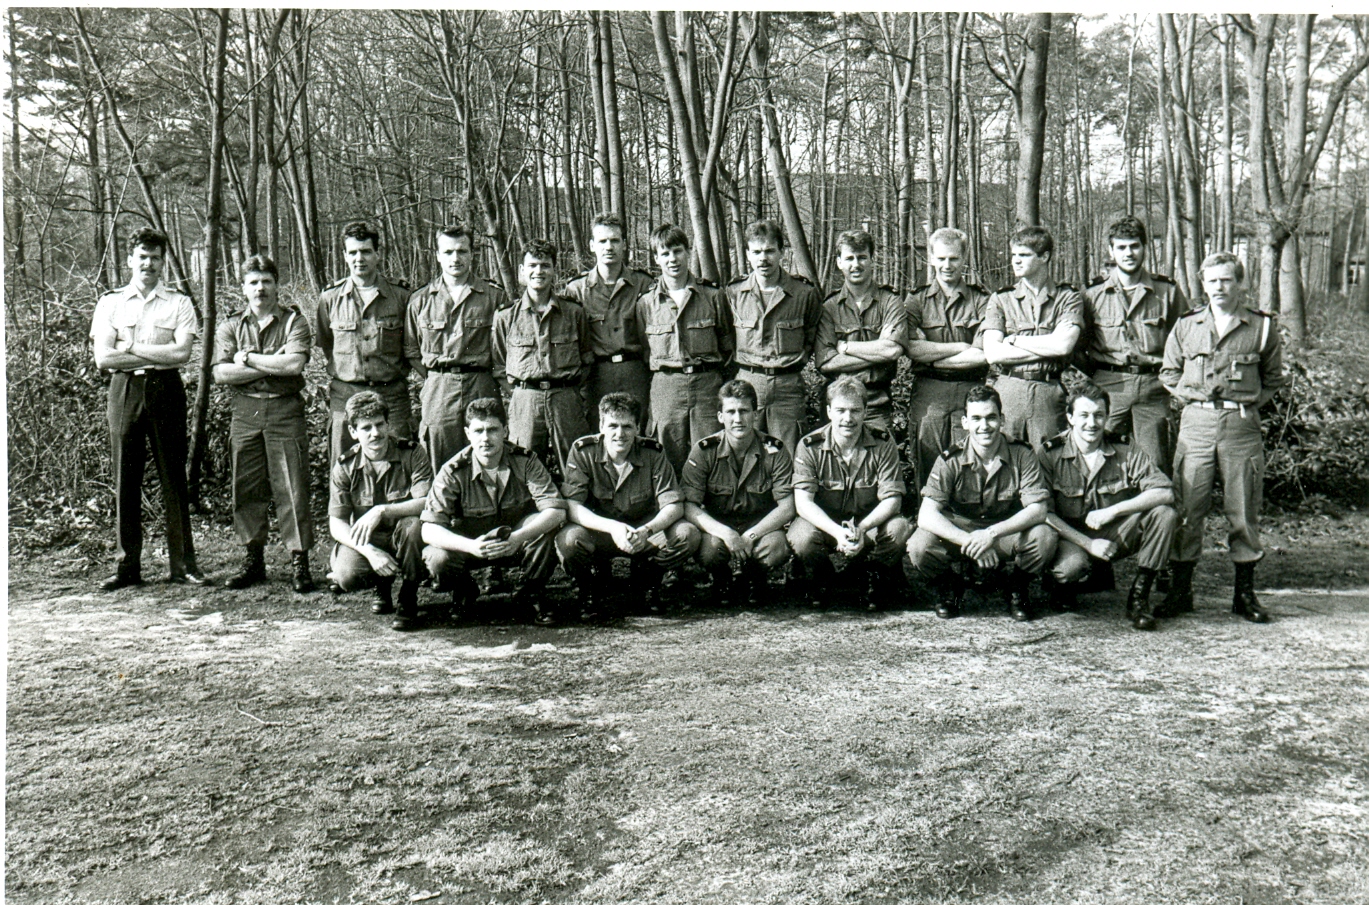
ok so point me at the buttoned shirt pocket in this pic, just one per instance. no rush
(390, 336)
(967, 497)
(748, 324)
(433, 327)
(522, 356)
(476, 336)
(789, 336)
(1069, 502)
(347, 341)
(864, 495)
(565, 353)
(702, 336)
(660, 337)
(1111, 492)
(1151, 333)
(162, 330)
(1243, 373)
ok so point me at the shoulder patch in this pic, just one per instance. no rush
(1097, 281)
(710, 441)
(402, 284)
(887, 288)
(772, 444)
(587, 440)
(1118, 439)
(651, 443)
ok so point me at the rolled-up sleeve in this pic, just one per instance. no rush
(1031, 483)
(340, 502)
(781, 475)
(444, 497)
(299, 336)
(577, 478)
(663, 481)
(806, 468)
(694, 476)
(541, 486)
(889, 473)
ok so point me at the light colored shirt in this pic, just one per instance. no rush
(128, 316)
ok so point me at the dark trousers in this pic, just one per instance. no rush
(149, 409)
(270, 453)
(404, 542)
(538, 556)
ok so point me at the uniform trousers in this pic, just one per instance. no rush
(1139, 402)
(684, 410)
(585, 552)
(403, 541)
(537, 558)
(631, 377)
(770, 551)
(1227, 440)
(934, 412)
(396, 396)
(547, 420)
(149, 409)
(812, 545)
(783, 405)
(1148, 534)
(1028, 550)
(270, 453)
(1033, 410)
(444, 399)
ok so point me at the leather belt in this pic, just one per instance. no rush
(618, 358)
(556, 383)
(773, 372)
(953, 376)
(459, 369)
(374, 383)
(1032, 372)
(1225, 405)
(256, 395)
(1128, 369)
(700, 367)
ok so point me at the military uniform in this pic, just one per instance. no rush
(687, 345)
(358, 484)
(619, 353)
(775, 336)
(634, 498)
(1033, 397)
(1126, 472)
(1124, 346)
(739, 488)
(450, 341)
(364, 346)
(471, 501)
(847, 491)
(937, 402)
(544, 357)
(844, 320)
(975, 496)
(147, 406)
(267, 436)
(1223, 381)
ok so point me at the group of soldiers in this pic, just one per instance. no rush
(699, 399)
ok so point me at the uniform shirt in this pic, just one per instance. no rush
(776, 335)
(846, 491)
(1128, 327)
(844, 321)
(1126, 472)
(611, 309)
(738, 487)
(1245, 366)
(552, 346)
(284, 333)
(644, 488)
(959, 319)
(129, 317)
(441, 331)
(363, 342)
(463, 491)
(1013, 311)
(1010, 482)
(674, 335)
(403, 473)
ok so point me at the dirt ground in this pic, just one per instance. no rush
(171, 745)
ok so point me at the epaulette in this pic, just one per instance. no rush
(336, 283)
(1121, 439)
(587, 440)
(1268, 314)
(802, 279)
(1008, 288)
(516, 450)
(1056, 442)
(645, 273)
(710, 441)
(887, 288)
(402, 284)
(460, 458)
(651, 443)
(812, 439)
(405, 443)
(922, 288)
(1160, 278)
(562, 297)
(977, 288)
(878, 433)
(1097, 281)
(1022, 443)
(772, 444)
(1192, 311)
(702, 282)
(951, 452)
(739, 280)
(349, 453)
(1070, 286)
(833, 294)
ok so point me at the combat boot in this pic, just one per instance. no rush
(1019, 596)
(384, 604)
(1179, 598)
(1139, 609)
(253, 569)
(406, 615)
(1243, 601)
(949, 592)
(886, 587)
(303, 582)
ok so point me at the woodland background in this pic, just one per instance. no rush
(242, 131)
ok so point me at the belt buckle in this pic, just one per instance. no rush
(617, 359)
(688, 369)
(544, 384)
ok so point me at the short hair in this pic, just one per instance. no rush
(1037, 238)
(1219, 258)
(984, 393)
(620, 404)
(456, 231)
(949, 235)
(739, 389)
(1091, 391)
(611, 220)
(259, 264)
(847, 386)
(487, 408)
(765, 231)
(1127, 227)
(366, 404)
(856, 240)
(147, 237)
(542, 249)
(667, 235)
(362, 232)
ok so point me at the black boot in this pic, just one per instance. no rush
(1179, 598)
(385, 603)
(406, 615)
(1019, 596)
(1138, 601)
(303, 582)
(886, 588)
(253, 570)
(1243, 601)
(127, 576)
(949, 592)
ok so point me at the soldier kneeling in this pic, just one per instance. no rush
(985, 503)
(1111, 500)
(492, 503)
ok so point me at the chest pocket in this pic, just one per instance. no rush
(1070, 503)
(660, 338)
(390, 336)
(346, 336)
(434, 329)
(788, 336)
(1151, 332)
(748, 322)
(565, 351)
(1243, 373)
(702, 334)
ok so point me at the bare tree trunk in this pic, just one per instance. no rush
(1127, 150)
(617, 179)
(577, 236)
(1031, 118)
(602, 176)
(954, 32)
(932, 190)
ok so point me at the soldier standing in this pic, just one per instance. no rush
(360, 327)
(447, 340)
(776, 318)
(261, 353)
(1128, 315)
(1224, 361)
(863, 328)
(609, 294)
(1030, 330)
(143, 334)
